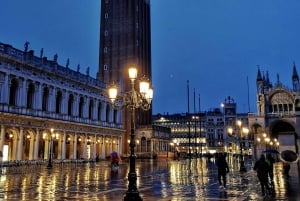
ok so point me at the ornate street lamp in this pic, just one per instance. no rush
(50, 149)
(132, 99)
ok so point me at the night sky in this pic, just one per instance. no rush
(215, 44)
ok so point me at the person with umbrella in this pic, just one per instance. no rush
(114, 160)
(287, 157)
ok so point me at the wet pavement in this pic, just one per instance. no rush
(161, 179)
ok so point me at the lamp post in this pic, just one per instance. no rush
(242, 130)
(132, 99)
(195, 118)
(50, 149)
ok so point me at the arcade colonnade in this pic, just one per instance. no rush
(28, 143)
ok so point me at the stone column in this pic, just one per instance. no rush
(103, 148)
(75, 146)
(36, 144)
(20, 147)
(63, 151)
(2, 139)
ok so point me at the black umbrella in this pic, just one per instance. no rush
(271, 151)
(289, 156)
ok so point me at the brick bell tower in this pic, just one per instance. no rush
(125, 40)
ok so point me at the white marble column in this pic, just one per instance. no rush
(75, 147)
(5, 90)
(2, 139)
(103, 148)
(36, 144)
(20, 147)
(63, 151)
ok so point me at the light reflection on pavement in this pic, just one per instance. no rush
(161, 179)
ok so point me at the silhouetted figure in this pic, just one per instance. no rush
(88, 71)
(271, 162)
(223, 169)
(41, 53)
(262, 168)
(286, 169)
(26, 46)
(68, 63)
(55, 57)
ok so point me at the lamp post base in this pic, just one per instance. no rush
(132, 196)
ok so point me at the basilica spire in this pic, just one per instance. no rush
(295, 78)
(259, 81)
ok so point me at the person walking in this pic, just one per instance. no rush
(286, 169)
(223, 169)
(270, 160)
(114, 161)
(262, 168)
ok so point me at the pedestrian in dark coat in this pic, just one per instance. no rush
(262, 168)
(271, 162)
(223, 169)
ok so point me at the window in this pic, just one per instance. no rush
(13, 92)
(81, 104)
(91, 106)
(105, 49)
(30, 96)
(105, 33)
(58, 102)
(105, 67)
(106, 15)
(99, 111)
(45, 99)
(70, 104)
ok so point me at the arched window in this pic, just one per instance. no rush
(99, 111)
(115, 115)
(91, 106)
(13, 91)
(81, 103)
(107, 113)
(70, 104)
(30, 96)
(45, 99)
(58, 102)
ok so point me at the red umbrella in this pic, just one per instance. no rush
(289, 156)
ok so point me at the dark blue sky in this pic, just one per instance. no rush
(215, 44)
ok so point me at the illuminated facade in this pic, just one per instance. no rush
(42, 101)
(276, 124)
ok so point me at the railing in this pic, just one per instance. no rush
(52, 115)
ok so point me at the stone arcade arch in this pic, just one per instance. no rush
(286, 135)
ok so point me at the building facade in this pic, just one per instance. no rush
(277, 122)
(43, 103)
(125, 40)
(209, 132)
